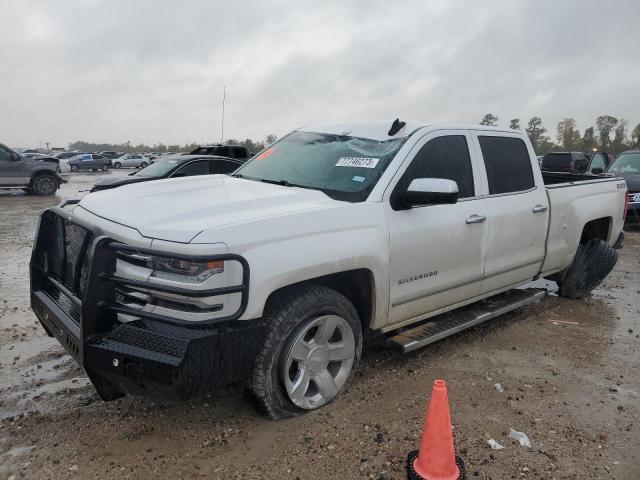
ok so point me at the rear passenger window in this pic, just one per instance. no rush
(507, 163)
(443, 157)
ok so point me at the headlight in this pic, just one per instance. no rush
(184, 271)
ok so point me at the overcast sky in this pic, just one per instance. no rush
(153, 71)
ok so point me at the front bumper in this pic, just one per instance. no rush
(73, 295)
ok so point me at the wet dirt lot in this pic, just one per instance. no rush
(570, 370)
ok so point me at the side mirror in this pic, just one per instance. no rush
(430, 191)
(15, 157)
(178, 175)
(597, 171)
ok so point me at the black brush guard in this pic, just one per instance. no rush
(73, 284)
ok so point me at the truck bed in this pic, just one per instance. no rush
(552, 178)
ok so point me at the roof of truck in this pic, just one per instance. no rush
(380, 130)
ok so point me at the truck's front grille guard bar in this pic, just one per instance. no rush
(243, 289)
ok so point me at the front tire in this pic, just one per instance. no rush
(592, 263)
(117, 165)
(143, 164)
(44, 184)
(75, 168)
(105, 167)
(310, 352)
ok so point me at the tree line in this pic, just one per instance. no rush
(568, 137)
(253, 146)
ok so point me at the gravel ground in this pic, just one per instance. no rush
(570, 370)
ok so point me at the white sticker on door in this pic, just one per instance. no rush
(362, 162)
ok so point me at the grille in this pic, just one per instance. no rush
(64, 257)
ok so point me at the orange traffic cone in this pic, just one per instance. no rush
(436, 459)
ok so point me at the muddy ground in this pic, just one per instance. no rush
(570, 370)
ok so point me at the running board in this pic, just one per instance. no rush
(458, 320)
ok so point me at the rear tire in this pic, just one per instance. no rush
(300, 317)
(75, 168)
(117, 165)
(105, 167)
(44, 184)
(592, 263)
(143, 164)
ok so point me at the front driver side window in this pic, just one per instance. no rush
(193, 168)
(443, 157)
(4, 154)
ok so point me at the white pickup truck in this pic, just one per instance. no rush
(272, 275)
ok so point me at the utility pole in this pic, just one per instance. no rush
(224, 95)
(47, 144)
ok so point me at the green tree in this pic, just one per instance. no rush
(635, 137)
(271, 138)
(489, 119)
(605, 124)
(620, 137)
(536, 132)
(567, 134)
(588, 142)
(514, 124)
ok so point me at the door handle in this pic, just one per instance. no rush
(540, 208)
(476, 218)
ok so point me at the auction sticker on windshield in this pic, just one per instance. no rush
(362, 162)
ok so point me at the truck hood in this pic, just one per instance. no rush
(179, 209)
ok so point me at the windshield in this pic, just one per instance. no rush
(626, 163)
(343, 167)
(157, 169)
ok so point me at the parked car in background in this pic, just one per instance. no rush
(31, 175)
(232, 151)
(66, 155)
(130, 160)
(599, 162)
(172, 167)
(627, 166)
(89, 161)
(109, 154)
(572, 162)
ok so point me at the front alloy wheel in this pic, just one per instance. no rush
(309, 353)
(319, 361)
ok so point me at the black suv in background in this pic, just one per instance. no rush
(231, 151)
(572, 162)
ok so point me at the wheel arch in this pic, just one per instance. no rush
(597, 228)
(357, 285)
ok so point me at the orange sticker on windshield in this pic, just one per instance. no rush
(265, 154)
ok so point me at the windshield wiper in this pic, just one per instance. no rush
(284, 183)
(236, 175)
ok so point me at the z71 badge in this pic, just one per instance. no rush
(417, 277)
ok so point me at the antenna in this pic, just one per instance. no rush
(224, 96)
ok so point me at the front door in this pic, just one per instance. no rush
(437, 251)
(12, 172)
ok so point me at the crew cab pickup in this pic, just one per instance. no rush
(271, 276)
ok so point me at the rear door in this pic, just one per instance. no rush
(518, 210)
(436, 251)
